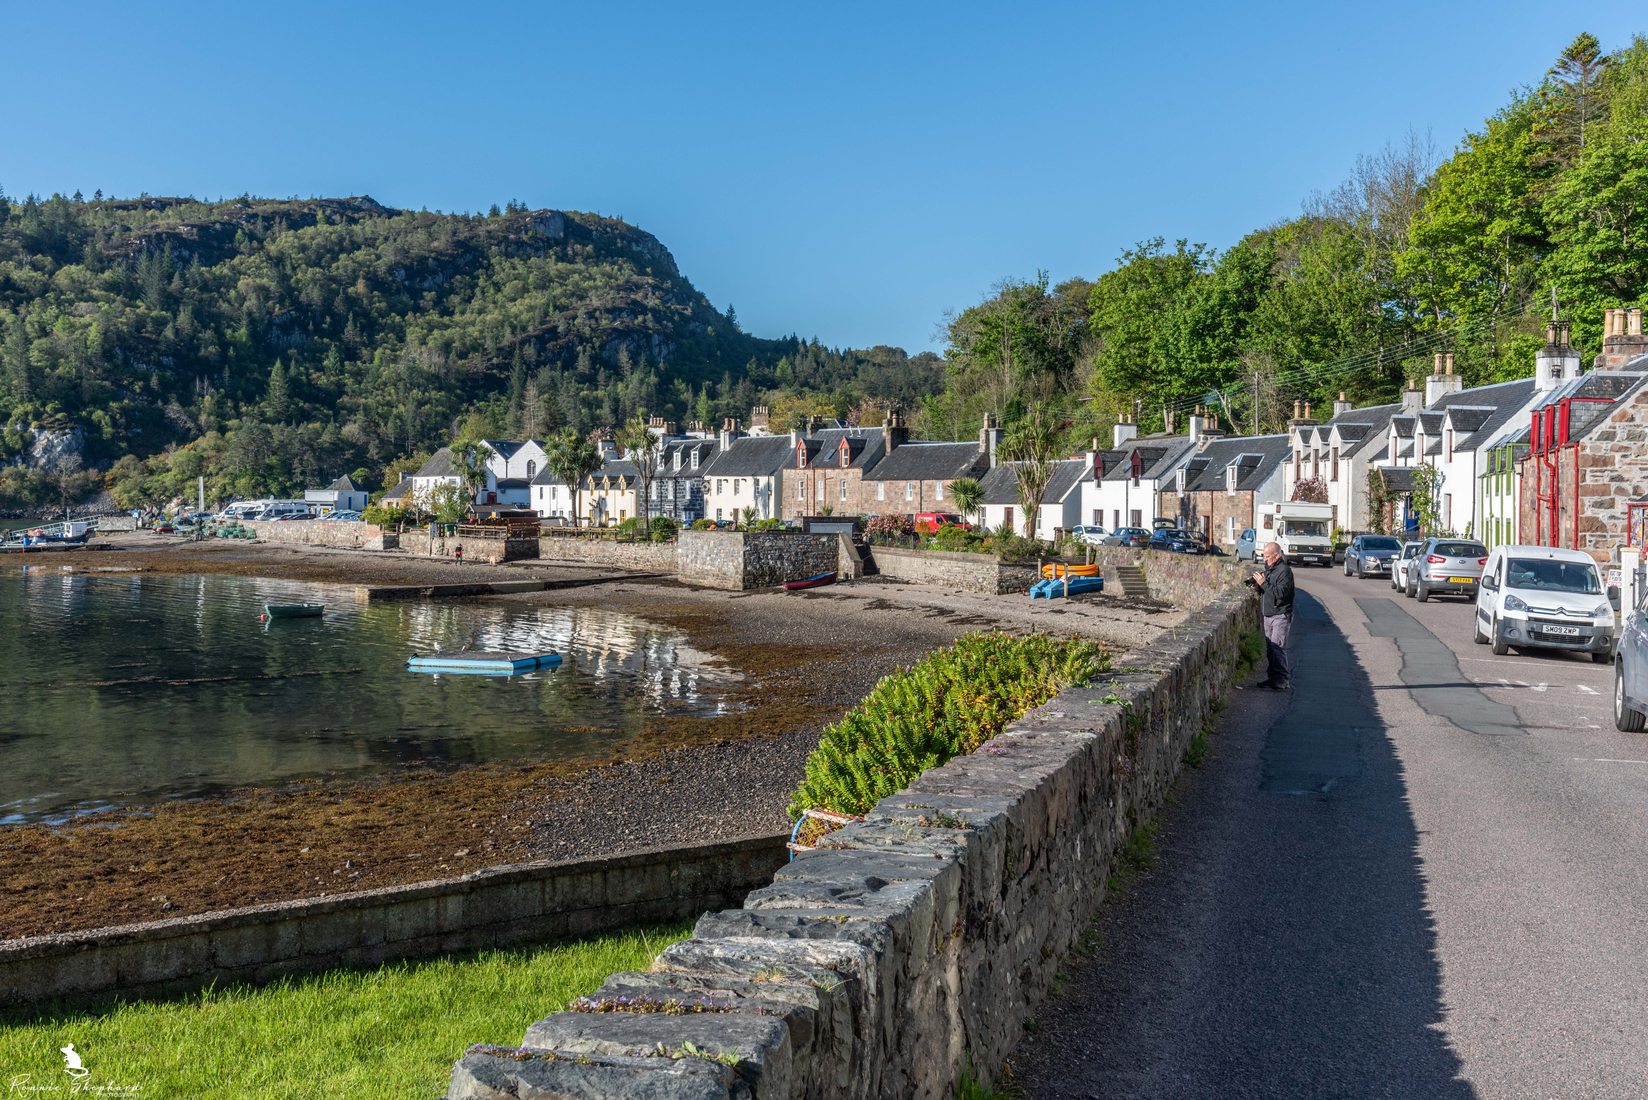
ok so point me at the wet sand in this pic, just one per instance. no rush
(805, 657)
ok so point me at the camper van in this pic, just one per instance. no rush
(1300, 528)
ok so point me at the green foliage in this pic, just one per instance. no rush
(572, 458)
(765, 525)
(389, 518)
(449, 503)
(703, 525)
(664, 529)
(1031, 448)
(969, 495)
(948, 703)
(889, 528)
(1015, 548)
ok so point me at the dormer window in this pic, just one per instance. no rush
(846, 455)
(801, 455)
(1179, 479)
(695, 460)
(1230, 481)
(678, 459)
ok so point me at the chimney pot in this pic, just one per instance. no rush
(1633, 326)
(1307, 410)
(1436, 364)
(1297, 406)
(1447, 363)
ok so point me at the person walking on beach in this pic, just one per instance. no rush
(1275, 584)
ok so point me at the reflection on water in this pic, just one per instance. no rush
(122, 689)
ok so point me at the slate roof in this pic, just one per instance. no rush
(924, 461)
(1468, 418)
(439, 465)
(546, 476)
(1160, 454)
(402, 490)
(1256, 458)
(344, 485)
(620, 470)
(504, 448)
(1001, 488)
(513, 483)
(704, 447)
(1369, 422)
(1503, 398)
(1398, 479)
(1583, 416)
(750, 456)
(824, 448)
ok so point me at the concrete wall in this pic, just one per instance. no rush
(968, 572)
(640, 557)
(314, 532)
(919, 940)
(741, 560)
(495, 907)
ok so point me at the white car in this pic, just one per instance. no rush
(1546, 598)
(1092, 535)
(1399, 565)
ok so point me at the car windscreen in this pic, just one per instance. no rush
(1461, 550)
(1381, 544)
(1310, 527)
(1545, 575)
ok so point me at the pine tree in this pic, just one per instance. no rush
(14, 358)
(276, 400)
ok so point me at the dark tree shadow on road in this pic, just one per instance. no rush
(1283, 946)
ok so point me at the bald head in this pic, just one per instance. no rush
(1273, 553)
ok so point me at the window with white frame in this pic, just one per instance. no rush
(909, 491)
(881, 490)
(1230, 481)
(531, 469)
(938, 493)
(720, 486)
(737, 486)
(695, 460)
(843, 488)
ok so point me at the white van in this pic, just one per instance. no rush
(1543, 597)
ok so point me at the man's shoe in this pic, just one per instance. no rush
(1277, 687)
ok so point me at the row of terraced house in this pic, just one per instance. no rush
(1559, 458)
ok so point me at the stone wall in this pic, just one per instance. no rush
(741, 560)
(915, 944)
(968, 572)
(639, 557)
(314, 532)
(1184, 580)
(491, 908)
(482, 549)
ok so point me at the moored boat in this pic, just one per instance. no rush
(293, 610)
(817, 580)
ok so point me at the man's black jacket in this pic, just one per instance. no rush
(1277, 596)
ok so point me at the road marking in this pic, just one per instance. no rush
(1607, 760)
(1522, 684)
(1587, 690)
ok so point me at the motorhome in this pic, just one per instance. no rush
(1300, 528)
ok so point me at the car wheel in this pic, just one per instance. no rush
(1500, 645)
(1601, 658)
(1476, 633)
(1422, 593)
(1626, 720)
(1407, 589)
(1347, 567)
(1359, 574)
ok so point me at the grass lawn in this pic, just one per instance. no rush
(390, 1032)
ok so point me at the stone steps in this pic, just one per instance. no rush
(1130, 581)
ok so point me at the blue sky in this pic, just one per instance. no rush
(846, 171)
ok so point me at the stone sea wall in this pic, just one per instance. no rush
(741, 560)
(491, 908)
(1185, 580)
(914, 944)
(640, 557)
(968, 572)
(314, 532)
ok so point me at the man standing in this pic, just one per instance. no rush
(1275, 586)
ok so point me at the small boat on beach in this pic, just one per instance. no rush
(817, 580)
(1053, 588)
(483, 662)
(293, 610)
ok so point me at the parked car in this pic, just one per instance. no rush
(1399, 565)
(928, 522)
(1446, 567)
(1370, 555)
(1247, 545)
(1631, 670)
(1128, 536)
(1174, 540)
(1092, 535)
(1545, 597)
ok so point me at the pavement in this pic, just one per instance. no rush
(1418, 874)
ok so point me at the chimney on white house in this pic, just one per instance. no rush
(1123, 433)
(990, 438)
(1557, 361)
(1413, 399)
(1443, 380)
(1341, 406)
(729, 432)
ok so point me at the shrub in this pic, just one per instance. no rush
(384, 517)
(765, 525)
(953, 537)
(664, 529)
(948, 703)
(703, 525)
(1015, 548)
(630, 528)
(889, 527)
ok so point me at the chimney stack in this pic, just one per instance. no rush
(1341, 406)
(1444, 381)
(990, 438)
(1623, 341)
(1413, 399)
(1122, 434)
(893, 432)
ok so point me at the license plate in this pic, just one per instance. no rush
(1561, 631)
(1461, 580)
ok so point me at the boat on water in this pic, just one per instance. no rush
(293, 610)
(817, 580)
(483, 663)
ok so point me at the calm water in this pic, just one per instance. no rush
(120, 689)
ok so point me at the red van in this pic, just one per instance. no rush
(928, 522)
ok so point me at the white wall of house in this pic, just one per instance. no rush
(552, 501)
(527, 461)
(1118, 502)
(727, 497)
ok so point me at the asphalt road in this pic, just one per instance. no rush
(1421, 874)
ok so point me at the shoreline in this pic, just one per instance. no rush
(804, 664)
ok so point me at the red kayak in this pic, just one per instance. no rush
(817, 581)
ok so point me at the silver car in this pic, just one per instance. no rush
(1399, 565)
(1631, 669)
(1371, 556)
(1446, 567)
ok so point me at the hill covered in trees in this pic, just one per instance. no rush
(1411, 256)
(269, 344)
